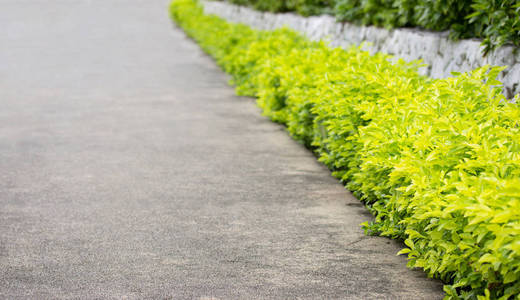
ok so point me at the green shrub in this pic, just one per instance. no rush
(438, 15)
(386, 13)
(498, 22)
(311, 7)
(437, 161)
(264, 5)
(495, 21)
(303, 7)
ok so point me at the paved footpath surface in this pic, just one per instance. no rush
(129, 170)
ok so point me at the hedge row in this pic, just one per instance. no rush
(437, 161)
(303, 7)
(496, 21)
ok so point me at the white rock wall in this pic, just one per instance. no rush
(442, 55)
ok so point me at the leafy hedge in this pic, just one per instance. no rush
(496, 21)
(437, 161)
(303, 7)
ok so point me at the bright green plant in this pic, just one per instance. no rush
(437, 161)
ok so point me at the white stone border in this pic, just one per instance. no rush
(442, 55)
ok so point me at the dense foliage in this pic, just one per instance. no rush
(496, 21)
(435, 15)
(303, 7)
(437, 161)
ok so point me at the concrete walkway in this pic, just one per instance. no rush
(129, 170)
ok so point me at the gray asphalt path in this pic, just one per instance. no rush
(129, 170)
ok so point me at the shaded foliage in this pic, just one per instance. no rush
(497, 22)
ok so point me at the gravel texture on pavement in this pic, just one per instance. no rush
(130, 170)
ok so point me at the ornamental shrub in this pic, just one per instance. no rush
(437, 161)
(438, 15)
(385, 13)
(303, 7)
(497, 22)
